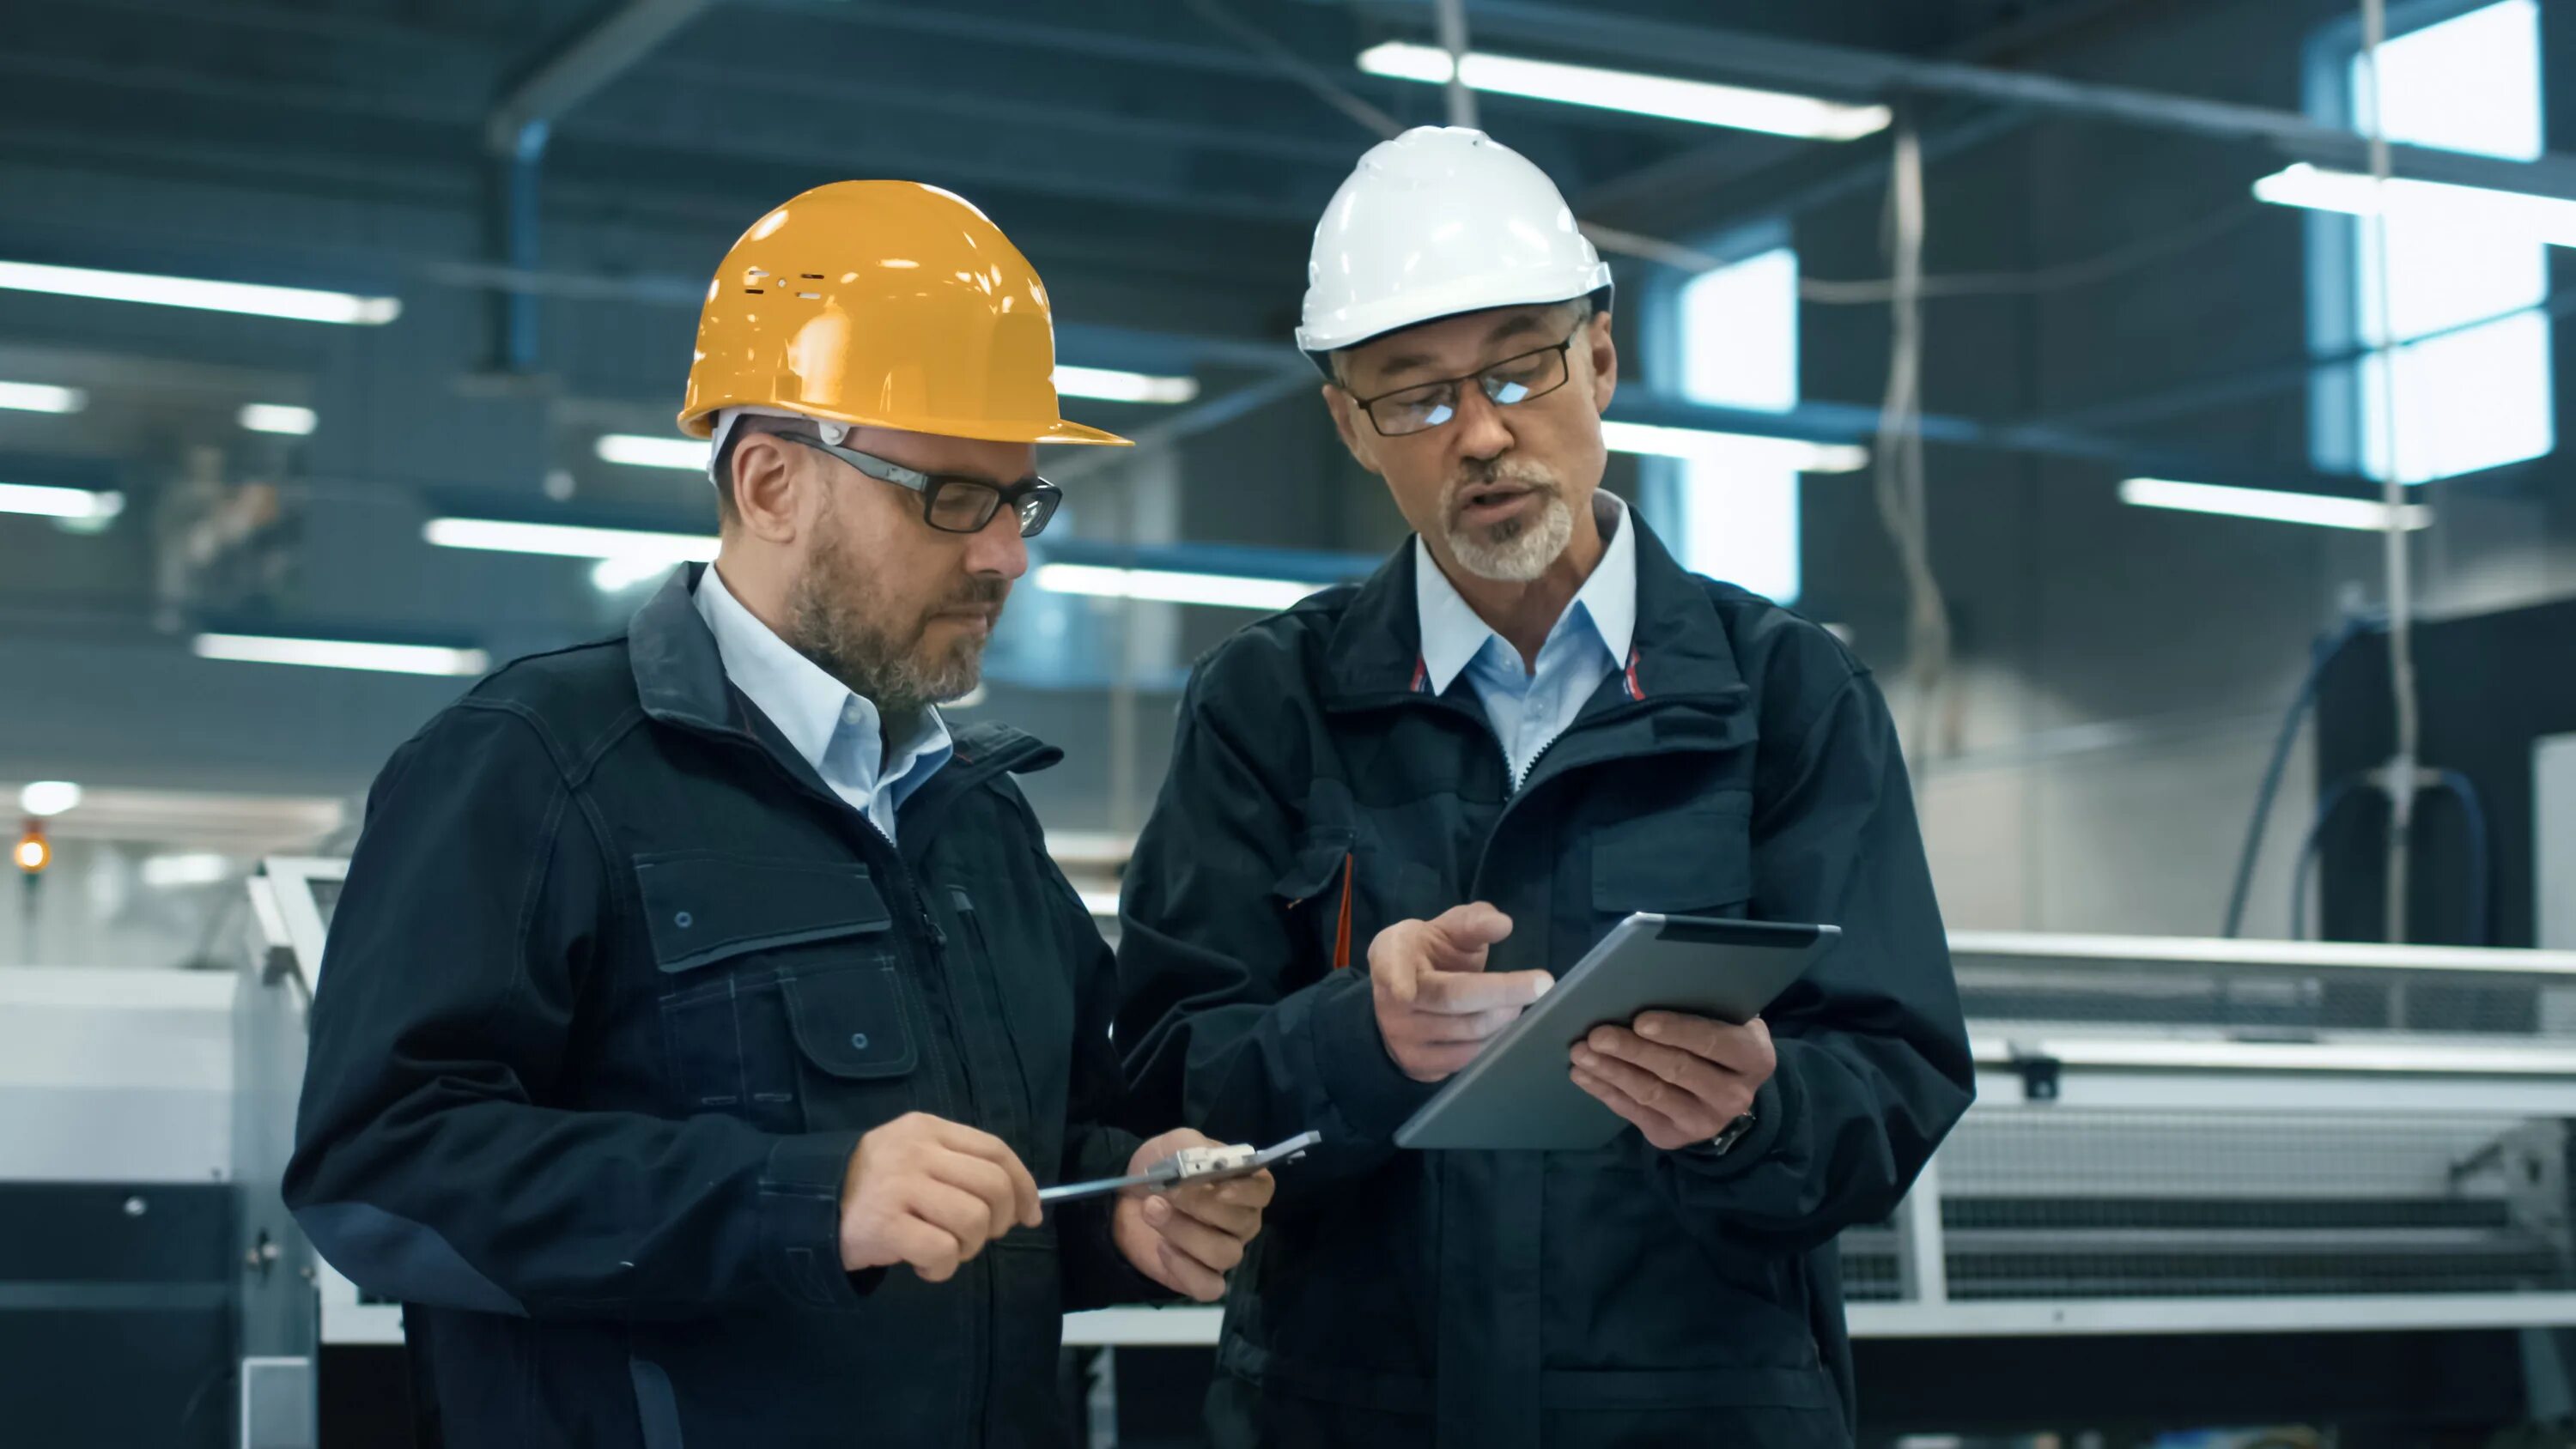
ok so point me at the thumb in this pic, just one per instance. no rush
(1471, 928)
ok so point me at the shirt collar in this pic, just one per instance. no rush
(1453, 634)
(808, 705)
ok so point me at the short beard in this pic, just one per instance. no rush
(839, 617)
(1515, 551)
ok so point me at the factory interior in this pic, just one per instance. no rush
(2157, 398)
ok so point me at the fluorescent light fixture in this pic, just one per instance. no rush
(627, 556)
(77, 505)
(2271, 504)
(1165, 586)
(567, 541)
(1774, 112)
(1103, 905)
(300, 304)
(1701, 446)
(617, 575)
(640, 450)
(2469, 208)
(195, 868)
(294, 422)
(1111, 385)
(49, 797)
(37, 397)
(342, 654)
(971, 699)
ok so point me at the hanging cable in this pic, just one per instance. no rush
(2400, 777)
(1899, 462)
(2319, 656)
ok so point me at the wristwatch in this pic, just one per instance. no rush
(1733, 1134)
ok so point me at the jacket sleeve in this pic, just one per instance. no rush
(434, 1160)
(1874, 1066)
(1222, 1021)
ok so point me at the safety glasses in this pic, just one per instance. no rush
(950, 503)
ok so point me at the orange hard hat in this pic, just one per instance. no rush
(883, 304)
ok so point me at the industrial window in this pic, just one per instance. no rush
(1735, 344)
(2467, 396)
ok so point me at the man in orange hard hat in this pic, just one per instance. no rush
(701, 1007)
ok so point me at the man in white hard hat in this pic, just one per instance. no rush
(1529, 724)
(704, 1016)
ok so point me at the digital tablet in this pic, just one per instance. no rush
(1518, 1093)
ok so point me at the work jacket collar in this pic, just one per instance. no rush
(680, 680)
(1679, 650)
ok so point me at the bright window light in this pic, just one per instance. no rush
(1705, 102)
(78, 505)
(2470, 399)
(1111, 385)
(298, 304)
(37, 397)
(2270, 505)
(1170, 587)
(639, 450)
(294, 422)
(342, 654)
(174, 872)
(1735, 498)
(49, 797)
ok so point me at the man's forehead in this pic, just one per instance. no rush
(936, 453)
(1451, 345)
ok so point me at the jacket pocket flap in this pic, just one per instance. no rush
(1316, 865)
(851, 1023)
(704, 908)
(1694, 859)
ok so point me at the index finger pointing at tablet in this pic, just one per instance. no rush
(1465, 993)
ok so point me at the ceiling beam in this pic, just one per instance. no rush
(593, 59)
(516, 132)
(1840, 71)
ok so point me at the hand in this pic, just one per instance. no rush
(1681, 1080)
(931, 1193)
(1189, 1238)
(1436, 1007)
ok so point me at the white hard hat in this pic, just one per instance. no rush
(1441, 220)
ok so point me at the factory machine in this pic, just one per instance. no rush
(2205, 1183)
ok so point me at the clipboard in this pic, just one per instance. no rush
(1517, 1095)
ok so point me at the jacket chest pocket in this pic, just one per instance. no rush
(781, 1003)
(1693, 861)
(1338, 895)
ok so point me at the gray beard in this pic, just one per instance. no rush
(834, 611)
(1515, 552)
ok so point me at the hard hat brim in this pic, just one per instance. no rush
(702, 424)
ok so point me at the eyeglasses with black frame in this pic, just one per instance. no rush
(1422, 406)
(949, 502)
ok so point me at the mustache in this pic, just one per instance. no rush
(981, 592)
(1478, 477)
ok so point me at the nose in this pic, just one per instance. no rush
(997, 548)
(1481, 432)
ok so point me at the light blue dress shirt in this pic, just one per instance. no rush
(837, 732)
(1529, 708)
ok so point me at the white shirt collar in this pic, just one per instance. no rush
(1453, 634)
(808, 705)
